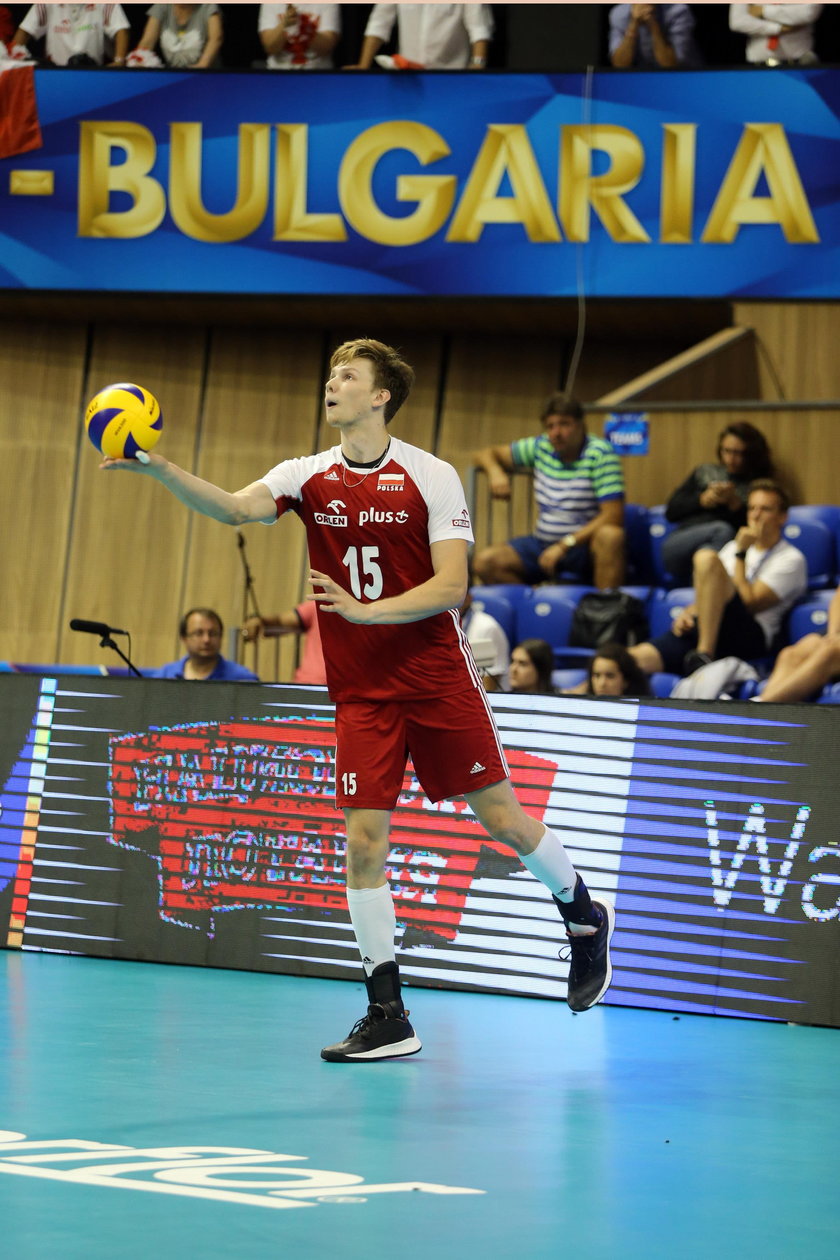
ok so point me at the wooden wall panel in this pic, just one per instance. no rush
(680, 440)
(127, 541)
(801, 341)
(263, 403)
(494, 393)
(42, 367)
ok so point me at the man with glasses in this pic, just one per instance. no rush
(201, 632)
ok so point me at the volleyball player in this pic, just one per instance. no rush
(388, 528)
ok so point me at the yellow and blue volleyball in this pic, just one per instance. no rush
(122, 420)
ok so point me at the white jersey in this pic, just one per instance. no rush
(72, 29)
(371, 531)
(312, 19)
(783, 568)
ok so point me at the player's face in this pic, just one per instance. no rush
(203, 637)
(565, 434)
(350, 393)
(765, 516)
(607, 678)
(523, 671)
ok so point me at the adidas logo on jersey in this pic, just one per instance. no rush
(332, 475)
(477, 768)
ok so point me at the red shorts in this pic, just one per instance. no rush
(452, 741)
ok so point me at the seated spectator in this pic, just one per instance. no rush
(579, 489)
(711, 504)
(78, 34)
(653, 35)
(430, 36)
(190, 35)
(776, 33)
(741, 594)
(613, 672)
(302, 620)
(531, 665)
(300, 37)
(489, 644)
(201, 633)
(803, 669)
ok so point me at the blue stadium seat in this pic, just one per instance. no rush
(565, 678)
(662, 611)
(810, 616)
(663, 684)
(829, 694)
(658, 530)
(827, 513)
(816, 541)
(486, 599)
(637, 530)
(513, 592)
(548, 615)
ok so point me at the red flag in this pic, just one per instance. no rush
(20, 129)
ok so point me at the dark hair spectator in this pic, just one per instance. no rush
(531, 666)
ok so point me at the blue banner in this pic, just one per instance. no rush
(712, 184)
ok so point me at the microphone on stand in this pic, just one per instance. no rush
(95, 627)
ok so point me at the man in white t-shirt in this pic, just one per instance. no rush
(431, 36)
(77, 30)
(776, 32)
(741, 593)
(299, 37)
(488, 644)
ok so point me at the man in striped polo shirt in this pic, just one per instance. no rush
(579, 492)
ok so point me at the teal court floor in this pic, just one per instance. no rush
(154, 1112)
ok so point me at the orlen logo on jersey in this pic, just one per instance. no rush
(462, 521)
(334, 505)
(374, 517)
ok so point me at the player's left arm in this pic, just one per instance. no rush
(445, 589)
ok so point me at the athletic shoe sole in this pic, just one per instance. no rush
(396, 1050)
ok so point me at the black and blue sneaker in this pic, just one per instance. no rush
(590, 969)
(384, 1032)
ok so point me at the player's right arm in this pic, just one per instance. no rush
(240, 507)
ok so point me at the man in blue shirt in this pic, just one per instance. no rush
(201, 632)
(646, 36)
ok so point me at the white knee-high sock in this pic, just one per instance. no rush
(374, 923)
(550, 863)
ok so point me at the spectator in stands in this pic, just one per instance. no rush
(488, 642)
(77, 34)
(803, 669)
(430, 36)
(777, 33)
(579, 491)
(300, 37)
(190, 35)
(653, 35)
(531, 666)
(741, 594)
(301, 620)
(201, 632)
(711, 504)
(614, 672)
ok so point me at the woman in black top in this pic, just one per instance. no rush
(711, 504)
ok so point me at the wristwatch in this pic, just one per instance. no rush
(569, 541)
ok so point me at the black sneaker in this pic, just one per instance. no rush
(381, 1034)
(590, 970)
(384, 1033)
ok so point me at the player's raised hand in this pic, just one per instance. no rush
(143, 462)
(332, 598)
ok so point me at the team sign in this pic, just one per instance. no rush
(710, 184)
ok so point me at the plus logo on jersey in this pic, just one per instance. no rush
(391, 481)
(335, 506)
(462, 521)
(372, 516)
